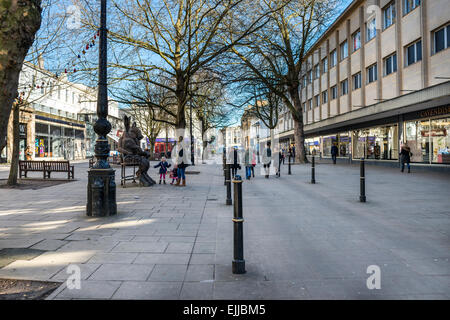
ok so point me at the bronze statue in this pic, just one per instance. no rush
(131, 152)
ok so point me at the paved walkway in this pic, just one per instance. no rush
(302, 241)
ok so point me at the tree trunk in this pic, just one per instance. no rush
(300, 151)
(12, 179)
(19, 22)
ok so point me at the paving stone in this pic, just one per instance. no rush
(197, 291)
(86, 269)
(162, 258)
(168, 272)
(113, 257)
(200, 273)
(116, 271)
(91, 290)
(49, 245)
(148, 290)
(141, 246)
(179, 247)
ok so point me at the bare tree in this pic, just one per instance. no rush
(276, 53)
(177, 38)
(19, 22)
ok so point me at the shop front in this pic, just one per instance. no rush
(377, 143)
(428, 136)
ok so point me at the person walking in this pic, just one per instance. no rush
(280, 160)
(181, 161)
(405, 156)
(253, 159)
(248, 164)
(334, 152)
(162, 165)
(267, 159)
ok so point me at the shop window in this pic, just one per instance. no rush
(417, 137)
(41, 128)
(356, 39)
(327, 142)
(413, 53)
(41, 147)
(440, 140)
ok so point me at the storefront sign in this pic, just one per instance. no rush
(434, 133)
(439, 111)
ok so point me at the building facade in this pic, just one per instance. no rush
(379, 77)
(56, 117)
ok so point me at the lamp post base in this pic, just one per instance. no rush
(101, 197)
(238, 266)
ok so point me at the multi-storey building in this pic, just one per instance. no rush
(56, 117)
(379, 77)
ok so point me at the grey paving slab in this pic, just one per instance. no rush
(91, 290)
(49, 244)
(122, 271)
(179, 247)
(162, 258)
(86, 269)
(168, 272)
(201, 272)
(148, 290)
(140, 246)
(114, 257)
(197, 291)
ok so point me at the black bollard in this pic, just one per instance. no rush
(238, 265)
(289, 165)
(313, 171)
(224, 166)
(362, 197)
(228, 182)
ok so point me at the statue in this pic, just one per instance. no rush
(131, 152)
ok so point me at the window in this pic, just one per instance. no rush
(389, 15)
(372, 73)
(371, 28)
(67, 95)
(304, 81)
(390, 64)
(413, 53)
(357, 81)
(441, 39)
(309, 76)
(325, 96)
(316, 100)
(410, 5)
(333, 56)
(310, 104)
(356, 38)
(59, 92)
(344, 50)
(316, 72)
(333, 92)
(344, 87)
(324, 65)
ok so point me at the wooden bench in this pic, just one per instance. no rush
(60, 166)
(46, 167)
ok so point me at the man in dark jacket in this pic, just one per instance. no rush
(334, 152)
(405, 157)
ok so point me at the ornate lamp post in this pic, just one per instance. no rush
(101, 190)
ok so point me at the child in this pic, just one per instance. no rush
(174, 174)
(163, 165)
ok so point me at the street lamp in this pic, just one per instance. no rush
(101, 190)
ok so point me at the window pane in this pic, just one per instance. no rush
(419, 51)
(448, 36)
(439, 40)
(394, 62)
(410, 55)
